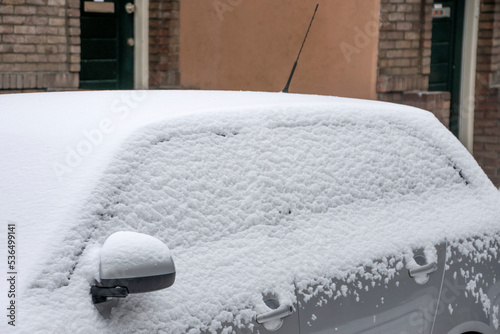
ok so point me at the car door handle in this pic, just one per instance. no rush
(426, 269)
(277, 314)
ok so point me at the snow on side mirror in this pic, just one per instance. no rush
(131, 263)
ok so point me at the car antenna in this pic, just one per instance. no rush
(285, 90)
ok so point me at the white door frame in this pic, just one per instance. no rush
(468, 84)
(141, 50)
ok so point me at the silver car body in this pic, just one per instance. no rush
(284, 213)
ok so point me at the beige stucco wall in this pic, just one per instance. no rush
(252, 44)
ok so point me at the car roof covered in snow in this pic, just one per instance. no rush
(252, 192)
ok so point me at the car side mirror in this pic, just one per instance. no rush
(131, 262)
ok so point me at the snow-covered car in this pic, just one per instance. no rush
(245, 213)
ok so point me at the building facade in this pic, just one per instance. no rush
(440, 56)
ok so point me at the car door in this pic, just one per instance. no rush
(391, 295)
(470, 298)
(272, 317)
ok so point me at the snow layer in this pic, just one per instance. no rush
(254, 193)
(127, 254)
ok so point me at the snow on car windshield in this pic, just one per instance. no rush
(213, 183)
(246, 201)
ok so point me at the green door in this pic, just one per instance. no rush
(446, 53)
(107, 42)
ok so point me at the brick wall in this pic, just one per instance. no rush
(39, 45)
(487, 111)
(405, 55)
(404, 45)
(164, 43)
(437, 102)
